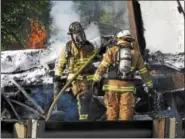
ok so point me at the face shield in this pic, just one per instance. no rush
(79, 39)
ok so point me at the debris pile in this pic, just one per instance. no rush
(32, 66)
(175, 61)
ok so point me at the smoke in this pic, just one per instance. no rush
(164, 26)
(120, 8)
(92, 31)
(63, 13)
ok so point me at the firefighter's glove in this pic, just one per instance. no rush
(58, 79)
(95, 87)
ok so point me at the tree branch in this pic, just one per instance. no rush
(10, 31)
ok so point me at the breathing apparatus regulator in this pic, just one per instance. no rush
(77, 34)
(124, 56)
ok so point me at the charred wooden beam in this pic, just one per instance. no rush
(136, 24)
(28, 97)
(132, 21)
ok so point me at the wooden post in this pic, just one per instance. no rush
(159, 128)
(132, 21)
(20, 130)
(172, 128)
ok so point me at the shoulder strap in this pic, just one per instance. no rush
(68, 48)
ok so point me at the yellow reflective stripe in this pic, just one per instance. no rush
(83, 116)
(119, 88)
(83, 60)
(149, 83)
(79, 62)
(105, 64)
(90, 77)
(63, 60)
(143, 70)
(78, 106)
(79, 77)
(96, 77)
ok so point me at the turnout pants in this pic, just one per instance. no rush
(120, 105)
(80, 90)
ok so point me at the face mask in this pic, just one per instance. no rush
(79, 39)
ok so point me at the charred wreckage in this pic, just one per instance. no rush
(27, 93)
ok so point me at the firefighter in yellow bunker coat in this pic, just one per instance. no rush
(74, 55)
(121, 60)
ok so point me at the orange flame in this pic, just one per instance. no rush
(37, 36)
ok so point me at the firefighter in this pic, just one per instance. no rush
(121, 61)
(75, 54)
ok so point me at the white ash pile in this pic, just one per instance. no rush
(175, 61)
(31, 66)
(27, 66)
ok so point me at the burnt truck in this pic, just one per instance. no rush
(27, 93)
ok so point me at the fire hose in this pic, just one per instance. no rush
(68, 83)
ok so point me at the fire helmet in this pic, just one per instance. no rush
(77, 34)
(75, 27)
(125, 35)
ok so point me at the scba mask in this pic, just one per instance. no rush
(77, 34)
(79, 39)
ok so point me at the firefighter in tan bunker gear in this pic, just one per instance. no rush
(74, 55)
(119, 88)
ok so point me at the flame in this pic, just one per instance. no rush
(37, 35)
